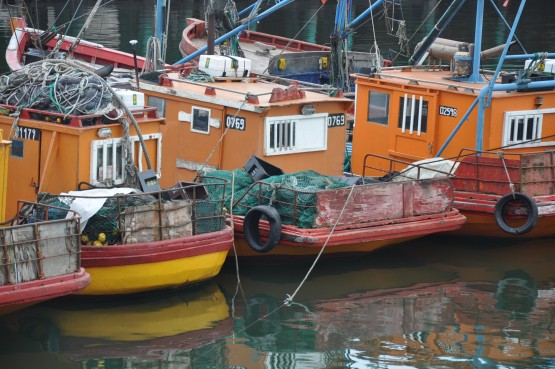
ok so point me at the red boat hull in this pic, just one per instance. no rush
(17, 296)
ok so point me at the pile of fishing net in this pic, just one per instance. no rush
(107, 220)
(206, 215)
(57, 86)
(293, 195)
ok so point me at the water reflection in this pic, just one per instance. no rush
(408, 307)
(147, 331)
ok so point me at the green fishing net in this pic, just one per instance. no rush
(293, 195)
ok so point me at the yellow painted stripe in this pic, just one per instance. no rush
(127, 279)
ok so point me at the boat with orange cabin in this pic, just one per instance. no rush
(492, 130)
(216, 118)
(40, 256)
(298, 134)
(105, 159)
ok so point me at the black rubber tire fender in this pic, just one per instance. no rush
(251, 228)
(530, 223)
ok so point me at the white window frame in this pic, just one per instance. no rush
(193, 108)
(307, 133)
(119, 178)
(412, 107)
(510, 130)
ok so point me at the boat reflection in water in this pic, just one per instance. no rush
(138, 332)
(437, 304)
(485, 317)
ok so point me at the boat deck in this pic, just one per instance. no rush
(234, 91)
(253, 51)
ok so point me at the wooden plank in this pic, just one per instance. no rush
(383, 201)
(39, 250)
(538, 174)
(148, 223)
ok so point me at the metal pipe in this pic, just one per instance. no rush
(475, 77)
(482, 95)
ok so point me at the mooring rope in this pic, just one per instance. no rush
(289, 299)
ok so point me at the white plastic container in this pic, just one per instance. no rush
(549, 66)
(225, 66)
(132, 99)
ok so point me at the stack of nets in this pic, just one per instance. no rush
(107, 220)
(57, 86)
(293, 195)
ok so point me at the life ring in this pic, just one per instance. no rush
(251, 228)
(532, 213)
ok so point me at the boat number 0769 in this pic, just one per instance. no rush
(234, 122)
(448, 111)
(336, 120)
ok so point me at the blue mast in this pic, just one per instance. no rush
(159, 18)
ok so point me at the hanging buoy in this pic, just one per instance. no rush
(281, 64)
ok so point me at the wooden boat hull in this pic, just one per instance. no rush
(88, 52)
(142, 267)
(350, 239)
(18, 296)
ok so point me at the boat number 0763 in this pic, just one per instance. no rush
(448, 111)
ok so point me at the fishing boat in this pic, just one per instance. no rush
(28, 45)
(493, 128)
(284, 57)
(265, 130)
(40, 256)
(103, 156)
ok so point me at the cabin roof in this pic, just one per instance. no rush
(440, 80)
(233, 92)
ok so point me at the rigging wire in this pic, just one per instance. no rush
(297, 35)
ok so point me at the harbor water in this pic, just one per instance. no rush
(435, 302)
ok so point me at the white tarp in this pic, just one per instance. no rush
(438, 167)
(89, 202)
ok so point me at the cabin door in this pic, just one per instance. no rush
(23, 168)
(415, 126)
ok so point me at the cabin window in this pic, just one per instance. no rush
(108, 160)
(200, 119)
(413, 114)
(158, 103)
(378, 107)
(294, 134)
(522, 127)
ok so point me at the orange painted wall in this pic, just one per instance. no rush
(183, 145)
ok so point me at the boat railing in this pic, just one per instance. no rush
(79, 121)
(501, 172)
(296, 203)
(133, 216)
(36, 244)
(385, 169)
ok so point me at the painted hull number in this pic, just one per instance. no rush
(26, 133)
(336, 120)
(448, 111)
(234, 122)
